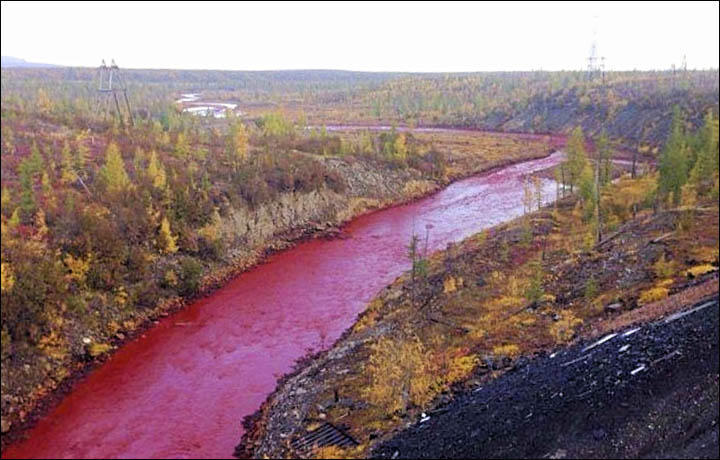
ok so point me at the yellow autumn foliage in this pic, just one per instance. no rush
(563, 330)
(547, 298)
(211, 230)
(627, 193)
(504, 303)
(120, 296)
(5, 197)
(506, 350)
(664, 268)
(156, 171)
(701, 270)
(460, 368)
(239, 141)
(400, 146)
(41, 228)
(170, 278)
(7, 278)
(449, 285)
(328, 452)
(370, 316)
(652, 295)
(113, 174)
(667, 282)
(399, 375)
(706, 254)
(166, 241)
(53, 345)
(339, 452)
(77, 267)
(97, 349)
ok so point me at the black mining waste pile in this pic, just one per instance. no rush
(647, 391)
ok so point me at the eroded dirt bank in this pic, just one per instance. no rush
(174, 391)
(647, 392)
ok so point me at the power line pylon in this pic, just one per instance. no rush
(109, 84)
(596, 64)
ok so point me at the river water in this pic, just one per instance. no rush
(191, 104)
(182, 389)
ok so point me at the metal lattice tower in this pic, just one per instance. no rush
(109, 84)
(596, 64)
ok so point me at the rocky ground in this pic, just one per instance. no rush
(649, 391)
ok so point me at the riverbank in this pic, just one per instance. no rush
(322, 215)
(523, 288)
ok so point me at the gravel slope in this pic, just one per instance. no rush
(647, 392)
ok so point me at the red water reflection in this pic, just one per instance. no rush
(182, 390)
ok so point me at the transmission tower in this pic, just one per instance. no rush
(109, 84)
(596, 64)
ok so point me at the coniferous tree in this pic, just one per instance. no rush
(705, 169)
(182, 146)
(156, 171)
(237, 144)
(400, 146)
(80, 156)
(604, 158)
(113, 175)
(29, 168)
(576, 157)
(166, 241)
(673, 161)
(586, 187)
(66, 165)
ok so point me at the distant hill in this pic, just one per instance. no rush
(9, 61)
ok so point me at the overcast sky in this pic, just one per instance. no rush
(440, 37)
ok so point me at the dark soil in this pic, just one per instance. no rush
(580, 402)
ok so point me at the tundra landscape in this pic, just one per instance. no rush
(359, 264)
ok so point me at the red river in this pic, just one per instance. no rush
(182, 389)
